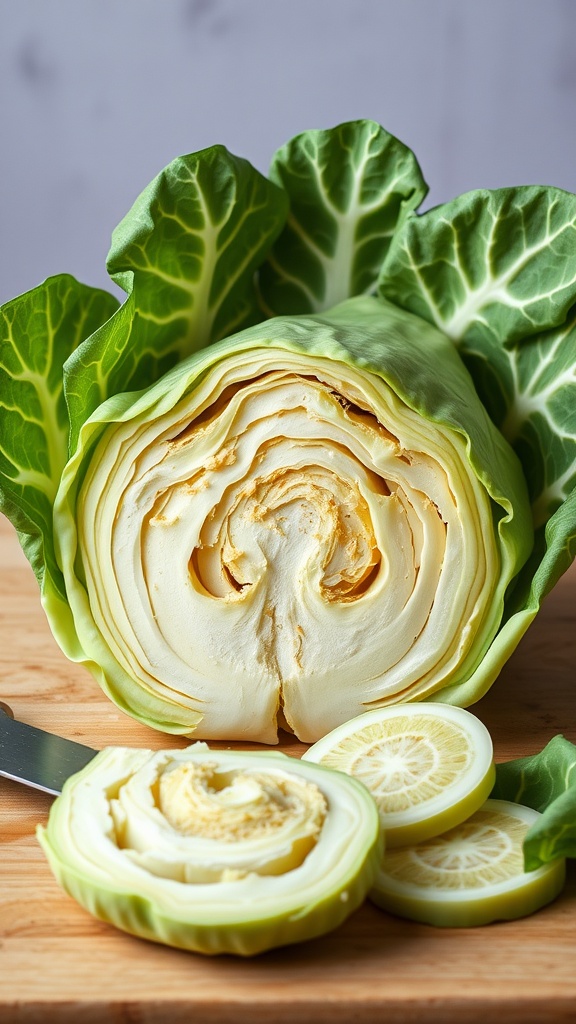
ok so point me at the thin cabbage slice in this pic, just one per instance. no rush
(471, 875)
(279, 532)
(428, 766)
(214, 851)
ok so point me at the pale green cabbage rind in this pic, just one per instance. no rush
(244, 916)
(363, 332)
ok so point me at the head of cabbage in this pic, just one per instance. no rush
(317, 462)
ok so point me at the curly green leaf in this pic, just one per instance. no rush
(546, 782)
(38, 331)
(186, 253)
(349, 187)
(496, 266)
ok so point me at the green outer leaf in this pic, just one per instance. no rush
(496, 272)
(38, 331)
(186, 252)
(349, 187)
(494, 265)
(546, 782)
(540, 420)
(365, 332)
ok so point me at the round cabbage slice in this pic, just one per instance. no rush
(472, 875)
(214, 851)
(308, 520)
(428, 766)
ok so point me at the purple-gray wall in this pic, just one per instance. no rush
(97, 95)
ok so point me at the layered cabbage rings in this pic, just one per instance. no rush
(308, 520)
(214, 851)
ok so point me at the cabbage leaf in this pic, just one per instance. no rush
(349, 190)
(38, 332)
(547, 782)
(186, 253)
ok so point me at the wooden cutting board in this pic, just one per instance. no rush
(58, 964)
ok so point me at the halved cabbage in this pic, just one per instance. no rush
(309, 519)
(214, 851)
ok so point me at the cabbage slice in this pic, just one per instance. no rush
(214, 851)
(301, 522)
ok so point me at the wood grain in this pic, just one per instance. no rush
(57, 963)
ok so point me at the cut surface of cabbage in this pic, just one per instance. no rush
(274, 535)
(214, 851)
(428, 766)
(471, 875)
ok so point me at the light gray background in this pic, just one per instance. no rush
(96, 96)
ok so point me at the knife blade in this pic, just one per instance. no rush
(38, 758)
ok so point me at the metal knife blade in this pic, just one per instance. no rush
(38, 758)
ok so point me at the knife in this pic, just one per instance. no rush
(38, 758)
